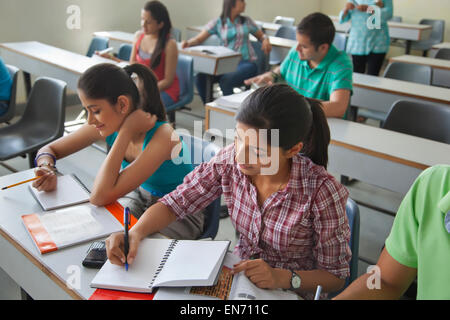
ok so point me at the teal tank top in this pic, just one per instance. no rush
(171, 172)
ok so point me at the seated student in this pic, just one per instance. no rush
(418, 245)
(288, 210)
(134, 124)
(315, 68)
(233, 30)
(154, 47)
(5, 87)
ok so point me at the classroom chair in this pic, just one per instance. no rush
(262, 61)
(340, 41)
(278, 54)
(124, 52)
(443, 53)
(176, 34)
(352, 211)
(436, 37)
(400, 71)
(203, 151)
(41, 123)
(185, 73)
(97, 44)
(396, 19)
(10, 113)
(425, 120)
(284, 21)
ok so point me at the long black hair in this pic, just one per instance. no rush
(298, 119)
(108, 81)
(159, 12)
(226, 11)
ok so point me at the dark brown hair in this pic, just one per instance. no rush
(319, 28)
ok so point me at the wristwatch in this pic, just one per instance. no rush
(296, 281)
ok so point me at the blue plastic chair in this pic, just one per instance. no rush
(124, 52)
(97, 44)
(262, 61)
(185, 73)
(9, 114)
(352, 211)
(340, 41)
(277, 54)
(203, 151)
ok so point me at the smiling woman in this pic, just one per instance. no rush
(134, 126)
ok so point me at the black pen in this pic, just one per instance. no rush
(126, 224)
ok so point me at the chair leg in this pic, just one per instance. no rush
(31, 157)
(171, 116)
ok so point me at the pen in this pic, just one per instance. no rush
(318, 291)
(19, 183)
(126, 223)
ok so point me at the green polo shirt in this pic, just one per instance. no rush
(334, 72)
(419, 238)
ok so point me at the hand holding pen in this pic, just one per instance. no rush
(126, 243)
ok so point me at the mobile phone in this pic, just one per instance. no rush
(96, 255)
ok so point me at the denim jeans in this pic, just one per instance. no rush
(246, 69)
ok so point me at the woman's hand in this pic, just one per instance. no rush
(362, 7)
(184, 44)
(349, 6)
(139, 121)
(266, 47)
(260, 273)
(115, 248)
(47, 181)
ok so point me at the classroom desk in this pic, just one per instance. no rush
(116, 38)
(436, 47)
(397, 30)
(379, 94)
(380, 157)
(441, 67)
(33, 57)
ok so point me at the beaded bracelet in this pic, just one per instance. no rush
(44, 154)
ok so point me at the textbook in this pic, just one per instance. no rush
(234, 100)
(69, 191)
(228, 287)
(57, 229)
(165, 263)
(218, 51)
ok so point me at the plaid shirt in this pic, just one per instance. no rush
(303, 227)
(235, 35)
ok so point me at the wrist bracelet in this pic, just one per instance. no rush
(44, 154)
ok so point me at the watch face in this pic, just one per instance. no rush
(296, 281)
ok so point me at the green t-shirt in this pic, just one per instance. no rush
(419, 238)
(334, 72)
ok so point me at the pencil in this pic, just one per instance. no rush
(19, 183)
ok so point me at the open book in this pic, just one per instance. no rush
(53, 230)
(228, 287)
(69, 191)
(218, 51)
(234, 100)
(165, 262)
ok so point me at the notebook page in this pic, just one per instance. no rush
(140, 272)
(69, 191)
(193, 263)
(234, 100)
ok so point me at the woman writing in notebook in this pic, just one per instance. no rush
(289, 212)
(133, 123)
(154, 47)
(233, 30)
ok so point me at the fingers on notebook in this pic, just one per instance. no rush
(114, 248)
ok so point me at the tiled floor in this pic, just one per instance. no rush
(375, 225)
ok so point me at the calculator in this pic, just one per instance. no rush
(96, 255)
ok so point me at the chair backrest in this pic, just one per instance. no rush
(46, 106)
(203, 151)
(185, 74)
(97, 43)
(284, 21)
(124, 52)
(437, 34)
(9, 114)
(176, 34)
(396, 19)
(286, 32)
(425, 120)
(409, 72)
(443, 53)
(340, 41)
(263, 60)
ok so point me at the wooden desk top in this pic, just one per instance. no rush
(442, 45)
(435, 63)
(122, 36)
(398, 147)
(404, 88)
(397, 25)
(60, 58)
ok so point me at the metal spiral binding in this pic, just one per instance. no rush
(164, 259)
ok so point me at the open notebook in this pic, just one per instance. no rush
(234, 100)
(165, 263)
(69, 191)
(53, 230)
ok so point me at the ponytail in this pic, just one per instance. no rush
(316, 143)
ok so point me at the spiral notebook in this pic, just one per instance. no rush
(165, 263)
(69, 191)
